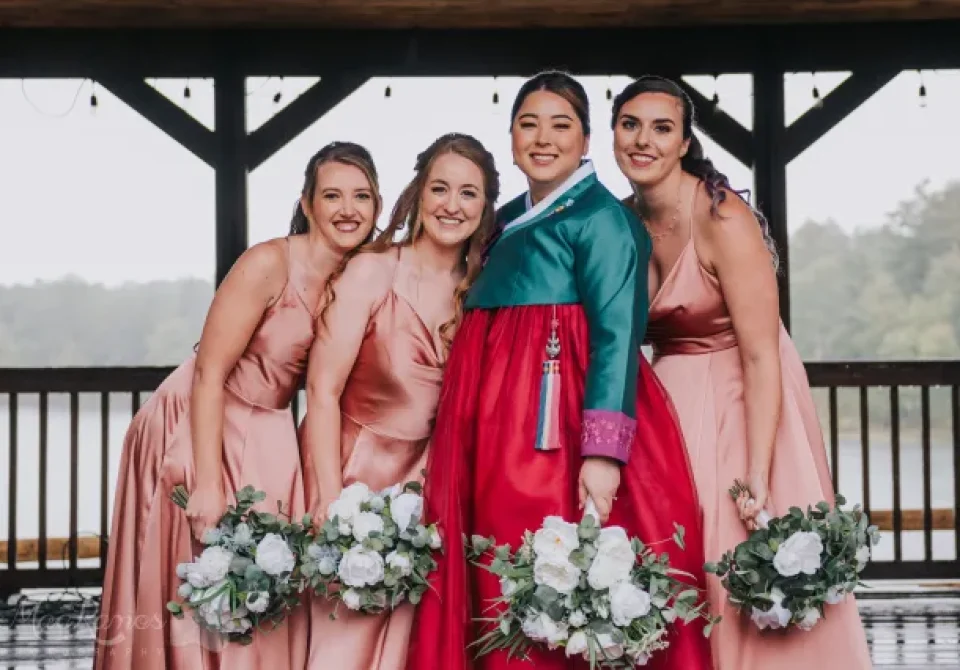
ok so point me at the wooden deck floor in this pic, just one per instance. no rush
(903, 633)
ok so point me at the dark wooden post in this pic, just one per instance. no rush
(231, 166)
(770, 168)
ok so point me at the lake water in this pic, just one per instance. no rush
(58, 475)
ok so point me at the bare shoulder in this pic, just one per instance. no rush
(733, 217)
(268, 257)
(371, 271)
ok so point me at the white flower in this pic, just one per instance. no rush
(611, 649)
(577, 619)
(210, 567)
(185, 590)
(614, 560)
(628, 602)
(344, 529)
(242, 535)
(559, 574)
(183, 569)
(274, 556)
(862, 556)
(347, 505)
(835, 595)
(391, 491)
(406, 509)
(810, 618)
(211, 536)
(435, 540)
(776, 617)
(257, 601)
(577, 644)
(377, 504)
(366, 523)
(542, 628)
(361, 567)
(401, 562)
(555, 539)
(351, 599)
(507, 587)
(799, 553)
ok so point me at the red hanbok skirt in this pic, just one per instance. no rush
(485, 477)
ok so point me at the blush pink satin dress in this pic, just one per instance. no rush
(388, 407)
(150, 535)
(697, 358)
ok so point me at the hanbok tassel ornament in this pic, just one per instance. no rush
(548, 417)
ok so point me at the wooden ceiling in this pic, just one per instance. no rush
(457, 13)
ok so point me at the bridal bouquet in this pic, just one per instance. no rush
(373, 552)
(246, 575)
(794, 565)
(593, 591)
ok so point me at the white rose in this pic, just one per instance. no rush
(862, 556)
(559, 574)
(835, 595)
(799, 553)
(541, 627)
(326, 566)
(274, 556)
(614, 560)
(376, 503)
(577, 644)
(356, 494)
(391, 491)
(212, 566)
(242, 535)
(577, 619)
(810, 618)
(183, 569)
(366, 523)
(776, 617)
(435, 540)
(211, 536)
(361, 567)
(343, 511)
(185, 590)
(257, 601)
(611, 650)
(406, 509)
(507, 587)
(347, 505)
(556, 539)
(351, 599)
(344, 529)
(401, 562)
(627, 602)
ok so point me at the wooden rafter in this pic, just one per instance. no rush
(837, 105)
(164, 114)
(296, 117)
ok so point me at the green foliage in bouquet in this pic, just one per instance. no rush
(785, 572)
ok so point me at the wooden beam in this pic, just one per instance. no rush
(163, 113)
(837, 105)
(296, 117)
(770, 169)
(720, 126)
(230, 162)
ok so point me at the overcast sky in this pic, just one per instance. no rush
(108, 197)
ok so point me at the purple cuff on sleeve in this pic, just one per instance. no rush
(607, 433)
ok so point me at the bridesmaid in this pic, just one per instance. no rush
(222, 421)
(569, 264)
(720, 349)
(374, 378)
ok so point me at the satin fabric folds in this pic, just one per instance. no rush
(484, 476)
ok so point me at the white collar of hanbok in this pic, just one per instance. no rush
(585, 170)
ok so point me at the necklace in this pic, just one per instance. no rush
(673, 223)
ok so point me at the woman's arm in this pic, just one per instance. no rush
(238, 306)
(611, 266)
(359, 291)
(737, 253)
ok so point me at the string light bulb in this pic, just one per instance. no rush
(923, 90)
(817, 100)
(186, 90)
(496, 94)
(94, 103)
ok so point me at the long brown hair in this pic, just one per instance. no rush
(406, 214)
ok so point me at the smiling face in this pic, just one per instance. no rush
(548, 141)
(452, 200)
(344, 206)
(648, 140)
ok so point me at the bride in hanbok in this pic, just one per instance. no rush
(568, 265)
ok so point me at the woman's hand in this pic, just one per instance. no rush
(751, 504)
(205, 507)
(599, 480)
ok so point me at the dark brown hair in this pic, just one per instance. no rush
(558, 83)
(406, 213)
(695, 161)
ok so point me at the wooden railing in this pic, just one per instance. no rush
(35, 561)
